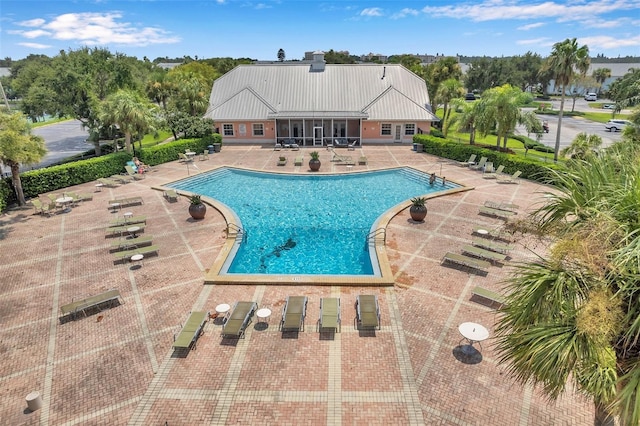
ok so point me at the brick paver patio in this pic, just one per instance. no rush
(118, 367)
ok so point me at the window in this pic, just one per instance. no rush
(258, 129)
(385, 129)
(409, 129)
(227, 129)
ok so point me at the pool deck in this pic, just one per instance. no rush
(117, 367)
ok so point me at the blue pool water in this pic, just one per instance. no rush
(308, 224)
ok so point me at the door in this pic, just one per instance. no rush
(317, 136)
(398, 133)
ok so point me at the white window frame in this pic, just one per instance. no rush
(225, 128)
(409, 129)
(257, 129)
(385, 129)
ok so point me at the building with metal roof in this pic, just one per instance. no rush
(315, 103)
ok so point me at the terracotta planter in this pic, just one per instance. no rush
(314, 165)
(418, 213)
(197, 211)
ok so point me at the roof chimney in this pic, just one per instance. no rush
(317, 65)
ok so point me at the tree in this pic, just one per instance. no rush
(468, 113)
(130, 112)
(448, 91)
(18, 146)
(565, 61)
(501, 111)
(600, 76)
(583, 147)
(573, 313)
(281, 55)
(440, 71)
(626, 90)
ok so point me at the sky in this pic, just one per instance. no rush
(257, 30)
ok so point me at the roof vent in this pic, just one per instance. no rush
(317, 65)
(384, 72)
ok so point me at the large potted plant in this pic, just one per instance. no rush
(197, 209)
(314, 163)
(418, 210)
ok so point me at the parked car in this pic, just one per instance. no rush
(616, 125)
(590, 97)
(469, 97)
(609, 106)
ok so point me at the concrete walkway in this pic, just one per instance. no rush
(117, 367)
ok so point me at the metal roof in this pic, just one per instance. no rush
(372, 91)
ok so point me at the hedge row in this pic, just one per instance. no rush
(36, 182)
(461, 152)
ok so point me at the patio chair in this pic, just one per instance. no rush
(237, 321)
(493, 174)
(293, 313)
(470, 161)
(367, 311)
(131, 172)
(282, 161)
(277, 146)
(329, 314)
(488, 168)
(171, 195)
(298, 161)
(342, 159)
(108, 182)
(480, 164)
(352, 146)
(466, 261)
(501, 205)
(192, 329)
(38, 207)
(514, 178)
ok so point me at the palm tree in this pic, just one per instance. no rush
(18, 146)
(468, 113)
(448, 90)
(565, 61)
(500, 111)
(573, 314)
(583, 146)
(600, 75)
(130, 112)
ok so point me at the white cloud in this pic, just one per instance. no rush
(32, 23)
(35, 45)
(608, 42)
(541, 41)
(262, 6)
(371, 11)
(405, 12)
(531, 26)
(96, 29)
(491, 10)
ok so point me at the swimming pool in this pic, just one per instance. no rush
(308, 224)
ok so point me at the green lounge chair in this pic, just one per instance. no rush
(367, 311)
(469, 162)
(492, 245)
(484, 253)
(191, 330)
(480, 164)
(133, 173)
(329, 314)
(123, 229)
(492, 297)
(126, 254)
(466, 261)
(502, 214)
(108, 182)
(131, 243)
(109, 297)
(38, 207)
(171, 195)
(128, 221)
(494, 174)
(514, 178)
(124, 202)
(501, 205)
(237, 321)
(293, 313)
(298, 161)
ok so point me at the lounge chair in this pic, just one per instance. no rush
(469, 162)
(352, 146)
(123, 202)
(238, 319)
(329, 314)
(484, 253)
(501, 205)
(502, 214)
(171, 195)
(492, 245)
(131, 243)
(192, 329)
(123, 229)
(367, 311)
(298, 161)
(204, 155)
(128, 221)
(123, 179)
(183, 158)
(341, 143)
(466, 261)
(494, 174)
(110, 298)
(131, 172)
(480, 164)
(38, 207)
(363, 161)
(514, 178)
(293, 313)
(126, 254)
(282, 161)
(488, 168)
(342, 159)
(492, 297)
(499, 234)
(108, 182)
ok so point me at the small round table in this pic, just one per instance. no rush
(223, 308)
(137, 258)
(473, 333)
(99, 187)
(482, 232)
(263, 314)
(133, 230)
(65, 202)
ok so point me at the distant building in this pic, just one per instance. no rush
(168, 65)
(374, 57)
(316, 103)
(430, 59)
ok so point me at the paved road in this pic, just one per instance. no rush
(63, 140)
